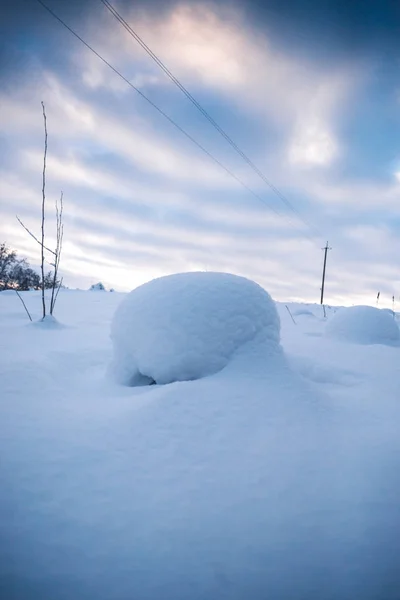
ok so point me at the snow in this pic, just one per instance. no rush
(364, 325)
(186, 326)
(304, 312)
(97, 287)
(276, 477)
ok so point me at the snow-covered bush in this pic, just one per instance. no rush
(97, 287)
(186, 326)
(363, 325)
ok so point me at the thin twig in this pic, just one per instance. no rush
(27, 311)
(290, 314)
(43, 206)
(59, 236)
(55, 299)
(32, 235)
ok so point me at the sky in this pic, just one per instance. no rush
(308, 90)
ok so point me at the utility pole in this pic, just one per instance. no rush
(323, 272)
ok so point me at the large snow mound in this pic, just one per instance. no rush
(363, 325)
(186, 326)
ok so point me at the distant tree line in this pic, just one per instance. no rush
(16, 273)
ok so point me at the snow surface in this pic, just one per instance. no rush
(189, 325)
(278, 477)
(364, 325)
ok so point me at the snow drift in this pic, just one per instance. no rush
(259, 482)
(363, 325)
(186, 326)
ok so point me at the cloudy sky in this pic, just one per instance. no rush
(308, 90)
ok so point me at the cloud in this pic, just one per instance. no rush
(209, 47)
(141, 200)
(136, 140)
(357, 196)
(213, 46)
(373, 247)
(312, 144)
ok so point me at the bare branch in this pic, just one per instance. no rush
(27, 311)
(55, 299)
(32, 235)
(59, 237)
(288, 309)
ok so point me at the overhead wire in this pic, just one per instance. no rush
(206, 114)
(161, 112)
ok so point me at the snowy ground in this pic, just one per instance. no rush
(276, 478)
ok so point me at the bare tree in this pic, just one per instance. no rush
(8, 258)
(55, 287)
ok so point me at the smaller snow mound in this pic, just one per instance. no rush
(186, 326)
(48, 322)
(363, 325)
(389, 311)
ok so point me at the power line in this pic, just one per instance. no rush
(160, 111)
(204, 112)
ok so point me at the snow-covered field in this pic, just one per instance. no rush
(277, 477)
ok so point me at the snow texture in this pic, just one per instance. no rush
(186, 326)
(363, 325)
(277, 478)
(303, 312)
